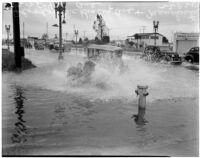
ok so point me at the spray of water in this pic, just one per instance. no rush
(164, 81)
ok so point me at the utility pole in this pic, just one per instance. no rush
(84, 34)
(47, 28)
(23, 30)
(66, 36)
(16, 34)
(109, 32)
(143, 28)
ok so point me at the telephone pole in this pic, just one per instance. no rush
(23, 30)
(47, 28)
(143, 28)
(16, 34)
(84, 34)
(66, 36)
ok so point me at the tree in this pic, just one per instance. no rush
(44, 36)
(80, 41)
(106, 39)
(100, 28)
(56, 37)
(86, 39)
(137, 37)
(165, 40)
(73, 42)
(131, 43)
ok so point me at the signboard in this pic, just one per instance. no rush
(186, 36)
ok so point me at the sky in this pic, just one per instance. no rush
(122, 18)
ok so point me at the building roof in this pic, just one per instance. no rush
(29, 37)
(145, 34)
(104, 47)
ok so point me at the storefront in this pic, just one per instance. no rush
(184, 41)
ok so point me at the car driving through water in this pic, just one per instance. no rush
(107, 56)
(154, 53)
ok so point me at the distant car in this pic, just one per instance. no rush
(39, 46)
(57, 47)
(192, 55)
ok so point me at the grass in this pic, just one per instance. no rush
(8, 63)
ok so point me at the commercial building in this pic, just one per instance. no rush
(184, 41)
(144, 39)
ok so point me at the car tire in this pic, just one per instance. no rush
(189, 59)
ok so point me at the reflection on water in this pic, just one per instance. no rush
(20, 127)
(60, 116)
(141, 130)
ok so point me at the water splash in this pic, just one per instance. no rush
(164, 81)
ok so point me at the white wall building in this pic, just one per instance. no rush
(145, 39)
(184, 41)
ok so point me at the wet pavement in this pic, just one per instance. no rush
(43, 115)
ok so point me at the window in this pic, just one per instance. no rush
(153, 37)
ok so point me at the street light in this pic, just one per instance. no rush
(155, 26)
(76, 34)
(8, 32)
(7, 6)
(60, 7)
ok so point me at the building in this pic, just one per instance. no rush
(184, 41)
(144, 39)
(32, 39)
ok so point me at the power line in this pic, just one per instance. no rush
(130, 27)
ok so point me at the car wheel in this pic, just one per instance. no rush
(189, 59)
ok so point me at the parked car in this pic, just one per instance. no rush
(39, 44)
(57, 47)
(154, 53)
(192, 55)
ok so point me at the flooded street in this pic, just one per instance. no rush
(43, 114)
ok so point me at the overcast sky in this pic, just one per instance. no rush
(122, 18)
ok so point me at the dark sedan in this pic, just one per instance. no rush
(192, 55)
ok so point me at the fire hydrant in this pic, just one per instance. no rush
(142, 93)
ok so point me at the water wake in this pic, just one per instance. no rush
(106, 82)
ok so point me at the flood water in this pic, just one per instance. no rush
(42, 113)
